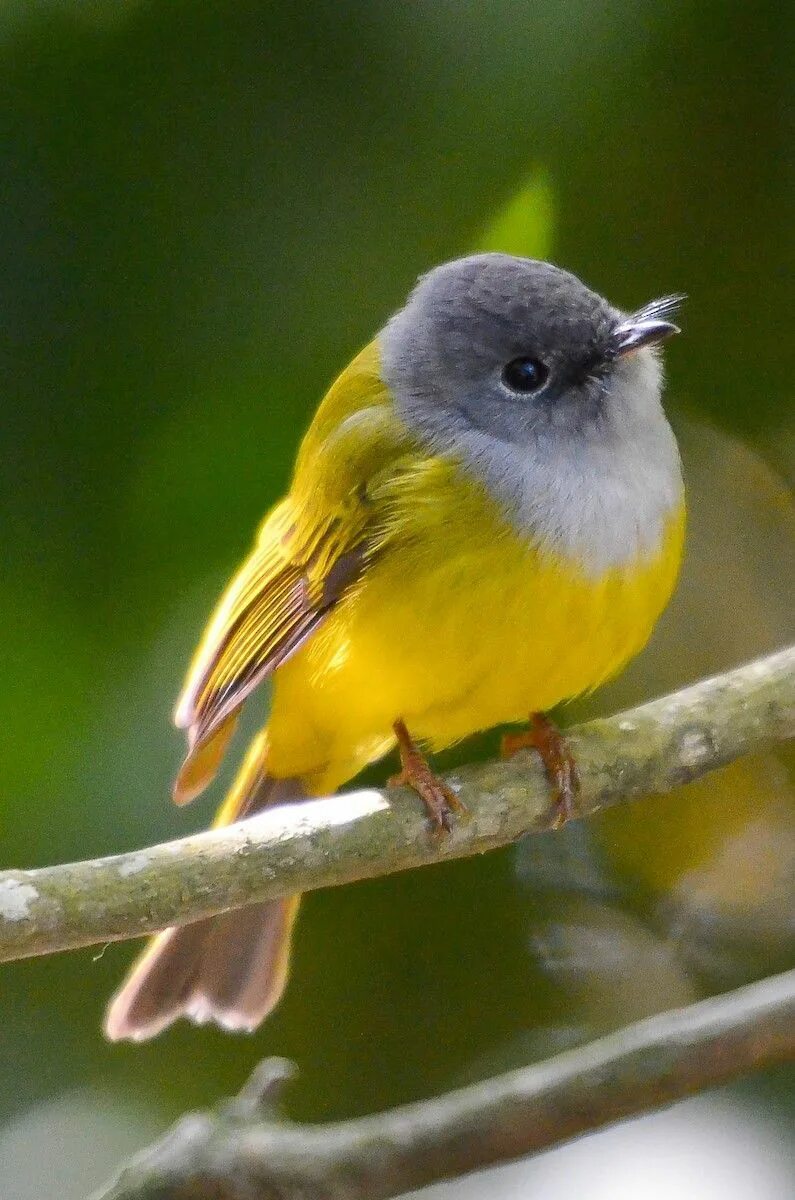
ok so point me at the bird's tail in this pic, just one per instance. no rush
(230, 969)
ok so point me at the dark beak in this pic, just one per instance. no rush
(647, 327)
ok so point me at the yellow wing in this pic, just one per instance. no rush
(310, 551)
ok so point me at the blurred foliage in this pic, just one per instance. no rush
(206, 209)
(526, 223)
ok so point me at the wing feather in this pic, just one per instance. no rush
(310, 551)
(274, 603)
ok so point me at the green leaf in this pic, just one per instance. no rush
(525, 225)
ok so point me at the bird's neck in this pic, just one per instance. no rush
(599, 503)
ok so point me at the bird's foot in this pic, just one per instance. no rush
(544, 737)
(415, 772)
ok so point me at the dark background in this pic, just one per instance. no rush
(205, 209)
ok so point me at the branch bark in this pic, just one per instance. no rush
(357, 835)
(244, 1152)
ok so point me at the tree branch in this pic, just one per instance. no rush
(244, 1152)
(358, 835)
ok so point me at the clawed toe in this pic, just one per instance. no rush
(440, 800)
(559, 764)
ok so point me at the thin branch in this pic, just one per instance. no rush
(358, 835)
(245, 1152)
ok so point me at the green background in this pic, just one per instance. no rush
(205, 209)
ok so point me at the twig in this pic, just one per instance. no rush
(357, 835)
(244, 1152)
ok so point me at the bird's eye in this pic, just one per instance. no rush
(525, 374)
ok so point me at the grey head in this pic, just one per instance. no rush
(548, 394)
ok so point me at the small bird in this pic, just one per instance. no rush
(486, 518)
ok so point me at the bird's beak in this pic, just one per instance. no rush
(647, 327)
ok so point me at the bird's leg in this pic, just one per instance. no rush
(415, 772)
(555, 753)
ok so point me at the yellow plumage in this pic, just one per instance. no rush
(454, 622)
(389, 584)
(485, 636)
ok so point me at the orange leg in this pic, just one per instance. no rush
(555, 752)
(440, 801)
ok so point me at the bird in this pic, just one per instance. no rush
(486, 518)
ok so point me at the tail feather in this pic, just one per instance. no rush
(157, 990)
(244, 966)
(230, 969)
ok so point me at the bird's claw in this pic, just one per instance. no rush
(415, 772)
(545, 738)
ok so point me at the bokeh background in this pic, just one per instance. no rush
(205, 209)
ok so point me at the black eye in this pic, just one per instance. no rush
(525, 374)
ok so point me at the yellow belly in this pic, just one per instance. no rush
(459, 635)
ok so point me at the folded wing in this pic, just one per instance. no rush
(310, 551)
